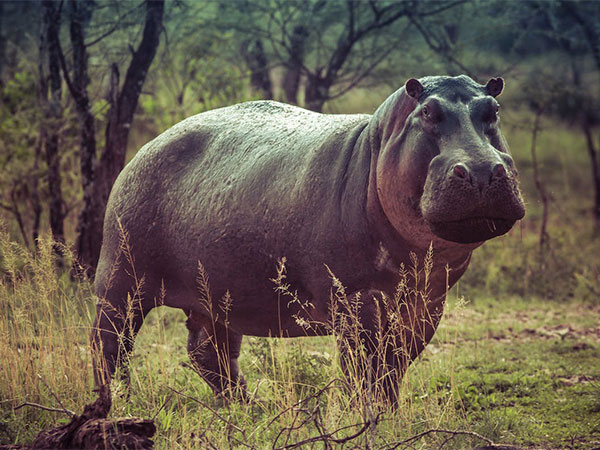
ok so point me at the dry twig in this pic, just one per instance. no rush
(45, 408)
(453, 433)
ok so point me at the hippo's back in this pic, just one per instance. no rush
(228, 188)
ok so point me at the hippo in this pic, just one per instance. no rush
(208, 214)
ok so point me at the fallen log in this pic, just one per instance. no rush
(92, 430)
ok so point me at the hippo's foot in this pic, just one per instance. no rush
(214, 351)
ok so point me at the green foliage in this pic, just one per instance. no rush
(42, 345)
(306, 369)
(19, 116)
(20, 146)
(517, 266)
(193, 79)
(516, 371)
(22, 151)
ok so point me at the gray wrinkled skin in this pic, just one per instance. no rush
(240, 187)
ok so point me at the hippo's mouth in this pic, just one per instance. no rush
(469, 231)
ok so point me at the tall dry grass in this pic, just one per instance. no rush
(44, 325)
(297, 393)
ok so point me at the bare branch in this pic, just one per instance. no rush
(453, 434)
(328, 437)
(115, 26)
(438, 47)
(303, 401)
(45, 408)
(446, 7)
(215, 413)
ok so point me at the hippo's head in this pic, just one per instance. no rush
(444, 170)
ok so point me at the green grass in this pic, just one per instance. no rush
(529, 370)
(516, 369)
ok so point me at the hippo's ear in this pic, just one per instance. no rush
(495, 86)
(413, 88)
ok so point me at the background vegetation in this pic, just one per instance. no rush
(516, 358)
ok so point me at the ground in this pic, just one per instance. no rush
(521, 370)
(516, 371)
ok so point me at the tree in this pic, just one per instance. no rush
(123, 102)
(254, 55)
(573, 29)
(80, 14)
(53, 110)
(331, 45)
(197, 70)
(585, 15)
(19, 109)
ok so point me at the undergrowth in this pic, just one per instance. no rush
(485, 372)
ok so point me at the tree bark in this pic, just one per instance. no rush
(36, 206)
(80, 14)
(51, 23)
(316, 92)
(257, 62)
(120, 117)
(593, 154)
(293, 73)
(42, 96)
(539, 185)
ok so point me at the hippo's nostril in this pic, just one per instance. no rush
(461, 171)
(499, 171)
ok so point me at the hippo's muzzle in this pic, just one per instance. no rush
(469, 231)
(472, 204)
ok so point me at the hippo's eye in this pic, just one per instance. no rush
(432, 112)
(492, 114)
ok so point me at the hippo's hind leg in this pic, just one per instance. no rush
(214, 350)
(113, 335)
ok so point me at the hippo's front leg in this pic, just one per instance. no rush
(214, 350)
(112, 339)
(380, 336)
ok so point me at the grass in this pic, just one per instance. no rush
(517, 370)
(515, 359)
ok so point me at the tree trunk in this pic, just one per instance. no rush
(293, 73)
(316, 92)
(13, 208)
(51, 23)
(41, 143)
(539, 185)
(87, 149)
(120, 117)
(257, 62)
(593, 153)
(36, 206)
(587, 127)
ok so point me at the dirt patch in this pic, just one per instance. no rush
(575, 379)
(563, 331)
